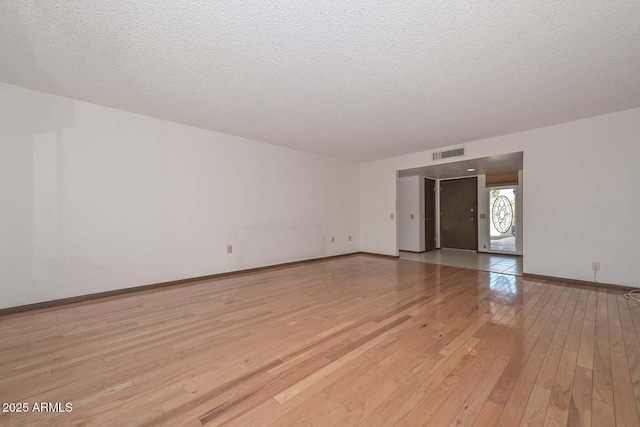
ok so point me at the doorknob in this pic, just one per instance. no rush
(471, 219)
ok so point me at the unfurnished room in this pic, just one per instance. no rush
(283, 213)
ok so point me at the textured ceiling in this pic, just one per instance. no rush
(357, 80)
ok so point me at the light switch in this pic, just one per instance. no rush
(411, 216)
(391, 216)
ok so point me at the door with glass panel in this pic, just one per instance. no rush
(502, 224)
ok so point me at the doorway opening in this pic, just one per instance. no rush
(465, 213)
(502, 223)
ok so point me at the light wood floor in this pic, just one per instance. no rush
(358, 340)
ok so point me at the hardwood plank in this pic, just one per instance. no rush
(558, 409)
(534, 413)
(580, 406)
(488, 415)
(587, 342)
(603, 413)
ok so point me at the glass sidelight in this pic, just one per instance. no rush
(502, 224)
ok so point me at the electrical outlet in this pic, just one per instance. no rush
(411, 216)
(595, 266)
(349, 238)
(333, 240)
(229, 249)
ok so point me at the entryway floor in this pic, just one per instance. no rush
(507, 244)
(506, 264)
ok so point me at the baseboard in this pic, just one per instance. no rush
(188, 281)
(413, 252)
(564, 280)
(192, 280)
(380, 255)
(499, 254)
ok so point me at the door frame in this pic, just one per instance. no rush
(484, 231)
(434, 215)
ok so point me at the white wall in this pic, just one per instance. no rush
(581, 201)
(411, 202)
(94, 199)
(484, 240)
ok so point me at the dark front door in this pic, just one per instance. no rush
(458, 213)
(429, 214)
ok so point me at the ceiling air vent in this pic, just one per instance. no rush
(446, 154)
